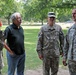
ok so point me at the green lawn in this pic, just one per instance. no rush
(32, 60)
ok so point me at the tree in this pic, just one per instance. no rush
(38, 9)
(8, 7)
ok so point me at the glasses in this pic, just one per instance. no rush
(18, 18)
(52, 18)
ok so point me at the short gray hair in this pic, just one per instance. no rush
(13, 16)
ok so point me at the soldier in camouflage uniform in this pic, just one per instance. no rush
(50, 45)
(70, 47)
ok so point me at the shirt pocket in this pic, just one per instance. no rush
(46, 35)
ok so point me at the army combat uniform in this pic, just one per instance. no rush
(50, 44)
(1, 47)
(70, 49)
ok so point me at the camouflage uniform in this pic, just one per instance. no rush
(1, 47)
(50, 44)
(70, 49)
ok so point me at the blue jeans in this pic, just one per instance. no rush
(15, 62)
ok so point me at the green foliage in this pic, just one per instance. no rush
(7, 7)
(38, 9)
(64, 14)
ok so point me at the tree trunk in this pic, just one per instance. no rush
(9, 18)
(8, 21)
(42, 21)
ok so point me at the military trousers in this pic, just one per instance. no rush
(1, 62)
(50, 64)
(72, 67)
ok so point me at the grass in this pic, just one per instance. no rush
(32, 60)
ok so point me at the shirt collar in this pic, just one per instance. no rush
(15, 26)
(51, 27)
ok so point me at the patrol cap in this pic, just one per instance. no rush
(51, 14)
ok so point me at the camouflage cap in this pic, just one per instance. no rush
(51, 14)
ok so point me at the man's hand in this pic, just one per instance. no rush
(41, 57)
(11, 53)
(64, 62)
(8, 49)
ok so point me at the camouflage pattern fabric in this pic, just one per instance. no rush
(72, 67)
(50, 38)
(1, 57)
(70, 44)
(50, 62)
(1, 47)
(70, 49)
(1, 39)
(50, 44)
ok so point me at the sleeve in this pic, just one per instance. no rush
(61, 38)
(1, 37)
(1, 40)
(66, 47)
(6, 32)
(40, 42)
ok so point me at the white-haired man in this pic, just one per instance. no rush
(14, 35)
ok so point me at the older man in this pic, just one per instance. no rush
(70, 47)
(50, 45)
(15, 40)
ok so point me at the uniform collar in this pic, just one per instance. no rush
(51, 27)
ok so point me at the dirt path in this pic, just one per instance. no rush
(39, 72)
